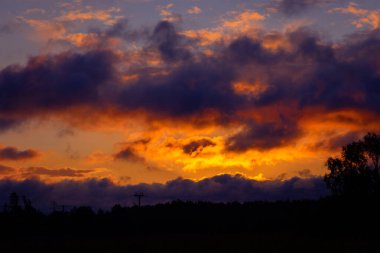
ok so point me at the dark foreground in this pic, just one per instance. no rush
(305, 226)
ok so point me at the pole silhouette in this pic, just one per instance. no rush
(139, 196)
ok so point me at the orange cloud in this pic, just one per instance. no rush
(51, 175)
(106, 16)
(46, 30)
(167, 14)
(82, 39)
(352, 8)
(244, 20)
(57, 29)
(254, 89)
(98, 157)
(205, 36)
(194, 10)
(229, 28)
(366, 17)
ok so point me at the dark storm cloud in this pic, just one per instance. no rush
(55, 82)
(335, 142)
(164, 38)
(348, 81)
(263, 136)
(41, 171)
(121, 30)
(12, 153)
(342, 140)
(293, 7)
(223, 188)
(188, 90)
(245, 50)
(195, 147)
(128, 154)
(171, 45)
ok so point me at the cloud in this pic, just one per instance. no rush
(204, 37)
(128, 154)
(49, 84)
(243, 21)
(13, 154)
(277, 87)
(38, 11)
(194, 10)
(65, 132)
(6, 124)
(6, 29)
(222, 188)
(130, 150)
(113, 36)
(167, 14)
(105, 16)
(170, 44)
(366, 17)
(60, 30)
(246, 50)
(305, 174)
(5, 170)
(293, 7)
(46, 30)
(188, 91)
(143, 142)
(343, 140)
(335, 142)
(122, 29)
(195, 148)
(263, 136)
(230, 27)
(99, 157)
(41, 171)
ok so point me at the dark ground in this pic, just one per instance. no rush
(304, 226)
(191, 243)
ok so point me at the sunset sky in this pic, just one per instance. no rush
(148, 91)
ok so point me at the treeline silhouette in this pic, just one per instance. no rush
(327, 224)
(328, 215)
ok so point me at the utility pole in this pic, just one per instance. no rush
(54, 206)
(139, 196)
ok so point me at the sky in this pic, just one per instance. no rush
(149, 92)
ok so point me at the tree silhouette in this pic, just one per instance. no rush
(14, 203)
(356, 172)
(372, 146)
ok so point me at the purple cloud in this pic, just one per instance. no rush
(12, 153)
(222, 188)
